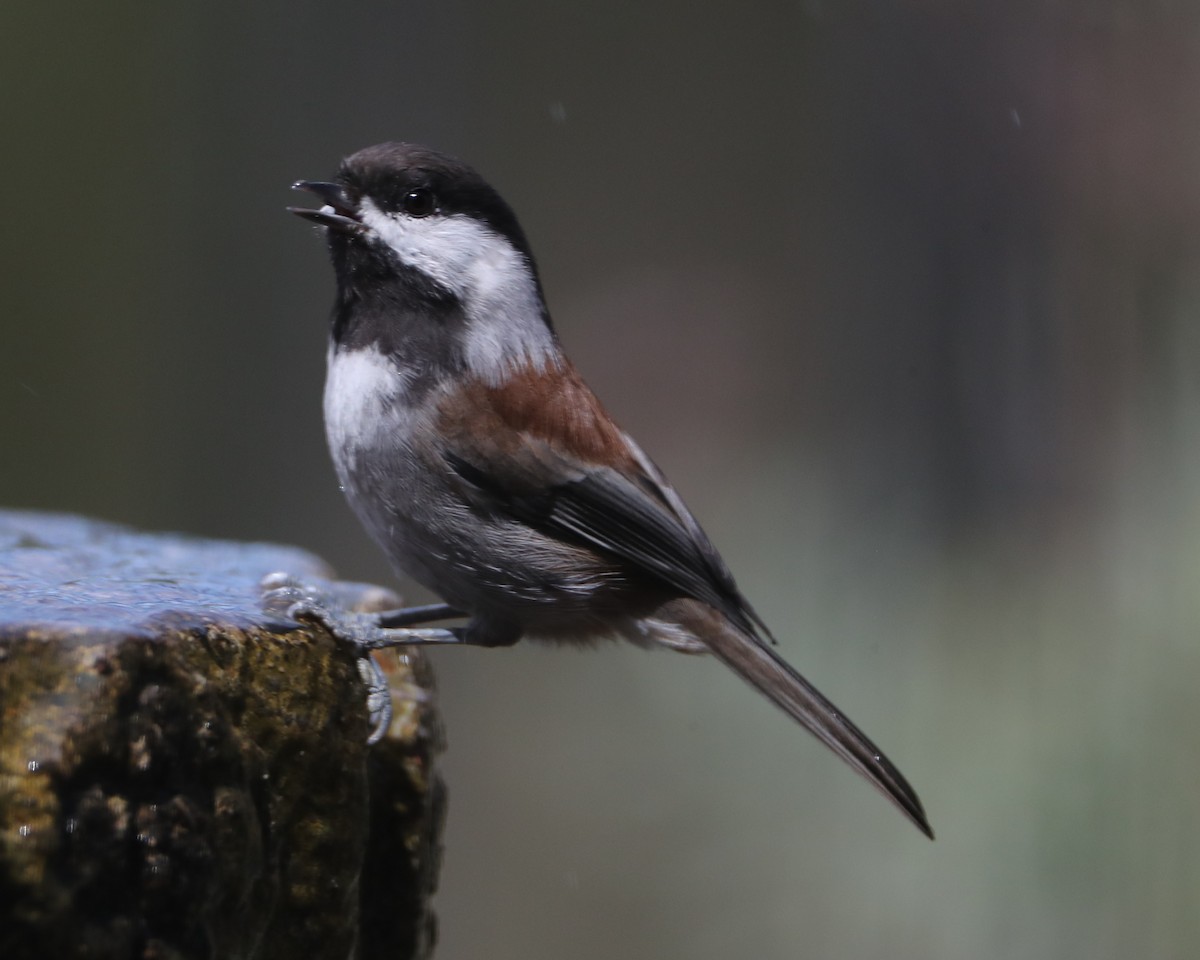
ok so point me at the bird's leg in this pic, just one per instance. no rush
(474, 634)
(408, 616)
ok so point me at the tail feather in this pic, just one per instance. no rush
(759, 665)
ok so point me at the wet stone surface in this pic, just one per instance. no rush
(183, 775)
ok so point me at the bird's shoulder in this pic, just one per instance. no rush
(547, 403)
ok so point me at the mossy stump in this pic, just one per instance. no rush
(185, 776)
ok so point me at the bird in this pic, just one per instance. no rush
(486, 469)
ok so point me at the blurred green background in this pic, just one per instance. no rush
(903, 297)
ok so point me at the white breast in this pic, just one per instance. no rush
(364, 391)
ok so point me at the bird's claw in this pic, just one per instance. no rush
(379, 697)
(326, 604)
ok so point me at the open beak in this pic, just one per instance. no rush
(338, 212)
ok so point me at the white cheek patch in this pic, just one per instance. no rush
(488, 275)
(362, 393)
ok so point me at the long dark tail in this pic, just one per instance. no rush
(758, 664)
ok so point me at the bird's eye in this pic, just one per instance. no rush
(419, 202)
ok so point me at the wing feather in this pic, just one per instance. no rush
(545, 451)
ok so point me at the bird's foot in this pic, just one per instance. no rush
(328, 605)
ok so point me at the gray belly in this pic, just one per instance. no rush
(483, 562)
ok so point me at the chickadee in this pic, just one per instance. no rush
(478, 459)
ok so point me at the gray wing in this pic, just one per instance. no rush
(637, 518)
